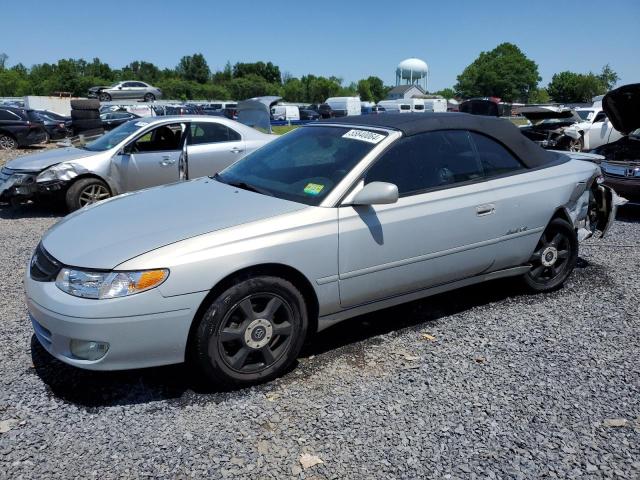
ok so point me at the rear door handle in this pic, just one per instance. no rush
(166, 161)
(237, 150)
(487, 209)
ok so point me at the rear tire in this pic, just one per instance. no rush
(554, 258)
(250, 333)
(86, 191)
(7, 142)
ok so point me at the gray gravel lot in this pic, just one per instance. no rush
(485, 382)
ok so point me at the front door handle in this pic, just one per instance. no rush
(487, 209)
(166, 161)
(237, 150)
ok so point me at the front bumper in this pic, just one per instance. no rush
(143, 330)
(23, 185)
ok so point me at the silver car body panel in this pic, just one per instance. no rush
(355, 259)
(129, 172)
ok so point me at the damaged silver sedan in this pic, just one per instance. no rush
(328, 222)
(141, 153)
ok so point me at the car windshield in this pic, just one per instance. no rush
(635, 134)
(585, 114)
(114, 137)
(303, 165)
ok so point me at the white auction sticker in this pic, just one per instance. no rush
(140, 124)
(364, 136)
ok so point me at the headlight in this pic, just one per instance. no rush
(99, 285)
(61, 171)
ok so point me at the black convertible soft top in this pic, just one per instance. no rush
(504, 131)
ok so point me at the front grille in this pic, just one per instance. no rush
(44, 268)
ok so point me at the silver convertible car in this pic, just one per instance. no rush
(141, 153)
(330, 221)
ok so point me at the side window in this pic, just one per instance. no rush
(128, 84)
(138, 84)
(425, 161)
(7, 115)
(600, 117)
(161, 139)
(208, 132)
(495, 159)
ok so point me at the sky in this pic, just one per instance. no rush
(347, 39)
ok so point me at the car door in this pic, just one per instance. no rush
(152, 159)
(212, 146)
(598, 133)
(440, 230)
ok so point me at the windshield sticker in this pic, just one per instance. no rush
(141, 124)
(364, 136)
(313, 189)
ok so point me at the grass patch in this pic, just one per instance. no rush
(281, 129)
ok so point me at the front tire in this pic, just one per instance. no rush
(149, 97)
(104, 97)
(554, 258)
(251, 333)
(575, 145)
(85, 192)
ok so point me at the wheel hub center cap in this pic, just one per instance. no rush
(258, 333)
(549, 256)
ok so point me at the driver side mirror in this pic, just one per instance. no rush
(127, 149)
(376, 193)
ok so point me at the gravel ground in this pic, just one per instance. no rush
(6, 155)
(485, 382)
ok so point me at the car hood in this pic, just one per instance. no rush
(39, 161)
(95, 89)
(108, 233)
(538, 113)
(622, 107)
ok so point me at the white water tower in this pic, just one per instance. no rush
(413, 71)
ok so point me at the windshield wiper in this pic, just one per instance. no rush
(244, 186)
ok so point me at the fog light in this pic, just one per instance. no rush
(88, 349)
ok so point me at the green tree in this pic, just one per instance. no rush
(3, 60)
(446, 93)
(194, 68)
(569, 87)
(540, 95)
(293, 90)
(377, 88)
(504, 72)
(364, 90)
(608, 77)
(250, 86)
(268, 71)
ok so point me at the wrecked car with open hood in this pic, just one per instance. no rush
(548, 124)
(621, 167)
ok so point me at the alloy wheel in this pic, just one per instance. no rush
(255, 333)
(92, 194)
(550, 257)
(7, 143)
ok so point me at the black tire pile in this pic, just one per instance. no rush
(85, 117)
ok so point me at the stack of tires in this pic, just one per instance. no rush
(85, 117)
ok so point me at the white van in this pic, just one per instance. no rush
(285, 112)
(345, 106)
(417, 104)
(435, 104)
(395, 106)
